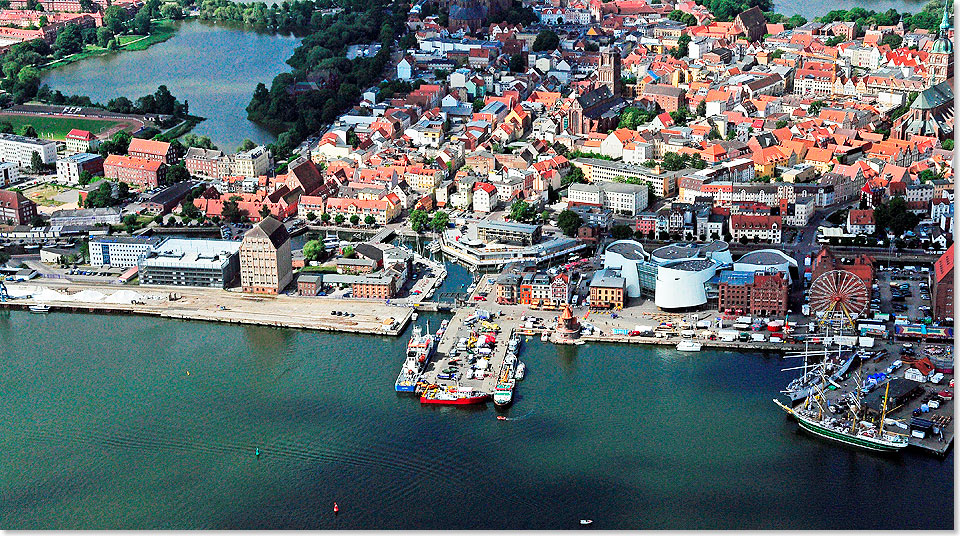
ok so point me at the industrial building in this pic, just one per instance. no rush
(191, 263)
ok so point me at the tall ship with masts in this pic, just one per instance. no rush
(852, 429)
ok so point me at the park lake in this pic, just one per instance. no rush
(213, 66)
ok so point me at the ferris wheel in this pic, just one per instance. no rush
(840, 297)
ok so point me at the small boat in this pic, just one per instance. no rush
(414, 316)
(545, 337)
(40, 308)
(689, 346)
(586, 521)
(521, 370)
(501, 418)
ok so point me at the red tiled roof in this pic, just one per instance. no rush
(158, 148)
(943, 268)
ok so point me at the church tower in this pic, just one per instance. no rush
(941, 55)
(609, 71)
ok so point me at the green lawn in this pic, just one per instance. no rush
(56, 128)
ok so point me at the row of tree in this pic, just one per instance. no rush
(321, 57)
(928, 18)
(299, 16)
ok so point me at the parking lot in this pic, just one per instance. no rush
(909, 298)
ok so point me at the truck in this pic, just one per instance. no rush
(621, 331)
(727, 335)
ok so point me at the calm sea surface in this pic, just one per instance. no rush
(105, 428)
(213, 66)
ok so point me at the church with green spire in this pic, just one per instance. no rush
(941, 54)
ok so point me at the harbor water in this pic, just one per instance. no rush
(139, 423)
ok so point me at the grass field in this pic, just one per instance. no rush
(45, 195)
(56, 128)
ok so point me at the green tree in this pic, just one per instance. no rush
(325, 217)
(546, 40)
(311, 215)
(313, 250)
(815, 107)
(947, 144)
(440, 221)
(521, 211)
(264, 211)
(231, 210)
(354, 219)
(673, 161)
(891, 39)
(246, 145)
(702, 108)
(517, 63)
(621, 232)
(683, 47)
(339, 219)
(171, 11)
(85, 178)
(574, 176)
(782, 123)
(114, 19)
(569, 221)
(36, 162)
(894, 216)
(177, 173)
(419, 220)
(369, 220)
(104, 35)
(28, 131)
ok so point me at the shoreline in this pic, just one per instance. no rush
(218, 305)
(165, 29)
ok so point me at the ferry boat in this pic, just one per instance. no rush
(689, 346)
(453, 396)
(853, 432)
(419, 350)
(503, 395)
(40, 308)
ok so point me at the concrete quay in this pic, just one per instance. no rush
(442, 358)
(218, 305)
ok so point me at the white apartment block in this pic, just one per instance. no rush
(252, 163)
(9, 174)
(20, 149)
(120, 251)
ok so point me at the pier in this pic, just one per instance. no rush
(227, 306)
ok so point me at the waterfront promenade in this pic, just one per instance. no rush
(218, 305)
